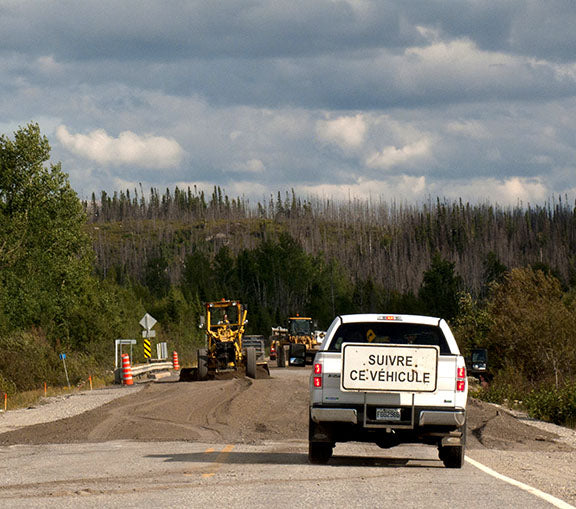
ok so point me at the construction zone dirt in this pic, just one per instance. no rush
(236, 409)
(233, 409)
(191, 374)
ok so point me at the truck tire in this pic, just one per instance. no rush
(251, 362)
(202, 363)
(188, 374)
(281, 357)
(453, 456)
(319, 452)
(296, 354)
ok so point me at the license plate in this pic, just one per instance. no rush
(387, 414)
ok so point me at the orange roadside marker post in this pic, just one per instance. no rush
(126, 370)
(175, 361)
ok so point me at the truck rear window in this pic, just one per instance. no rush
(389, 332)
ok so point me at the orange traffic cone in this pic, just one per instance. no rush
(175, 363)
(126, 370)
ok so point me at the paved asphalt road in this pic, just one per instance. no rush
(226, 465)
(179, 474)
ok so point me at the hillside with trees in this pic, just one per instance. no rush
(389, 244)
(76, 275)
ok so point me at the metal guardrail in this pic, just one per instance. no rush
(156, 366)
(144, 368)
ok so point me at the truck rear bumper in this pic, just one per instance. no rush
(423, 417)
(334, 415)
(441, 418)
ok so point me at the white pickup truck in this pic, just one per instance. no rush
(388, 379)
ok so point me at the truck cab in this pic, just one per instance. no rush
(388, 379)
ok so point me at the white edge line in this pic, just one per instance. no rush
(534, 491)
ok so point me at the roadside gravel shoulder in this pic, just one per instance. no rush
(548, 466)
(565, 435)
(60, 407)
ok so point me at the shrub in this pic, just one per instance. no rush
(507, 385)
(27, 360)
(551, 404)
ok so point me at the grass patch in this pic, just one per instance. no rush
(31, 398)
(543, 401)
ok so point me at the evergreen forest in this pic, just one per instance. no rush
(76, 275)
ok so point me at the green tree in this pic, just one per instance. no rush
(45, 255)
(440, 288)
(493, 269)
(472, 325)
(156, 276)
(533, 326)
(197, 279)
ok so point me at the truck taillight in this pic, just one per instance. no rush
(460, 379)
(318, 379)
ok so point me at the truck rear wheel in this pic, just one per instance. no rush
(319, 452)
(281, 357)
(453, 456)
(251, 362)
(202, 363)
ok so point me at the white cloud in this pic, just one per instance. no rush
(403, 187)
(523, 189)
(443, 55)
(48, 64)
(251, 166)
(392, 156)
(418, 189)
(510, 191)
(128, 149)
(469, 129)
(346, 132)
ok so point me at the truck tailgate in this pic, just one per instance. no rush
(443, 396)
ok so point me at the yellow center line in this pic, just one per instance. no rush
(220, 459)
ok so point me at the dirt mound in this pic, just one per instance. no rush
(234, 410)
(492, 427)
(241, 410)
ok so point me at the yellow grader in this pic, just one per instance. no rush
(224, 325)
(295, 345)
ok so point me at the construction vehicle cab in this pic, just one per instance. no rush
(300, 328)
(224, 325)
(295, 345)
(477, 364)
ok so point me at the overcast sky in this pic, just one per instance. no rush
(394, 99)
